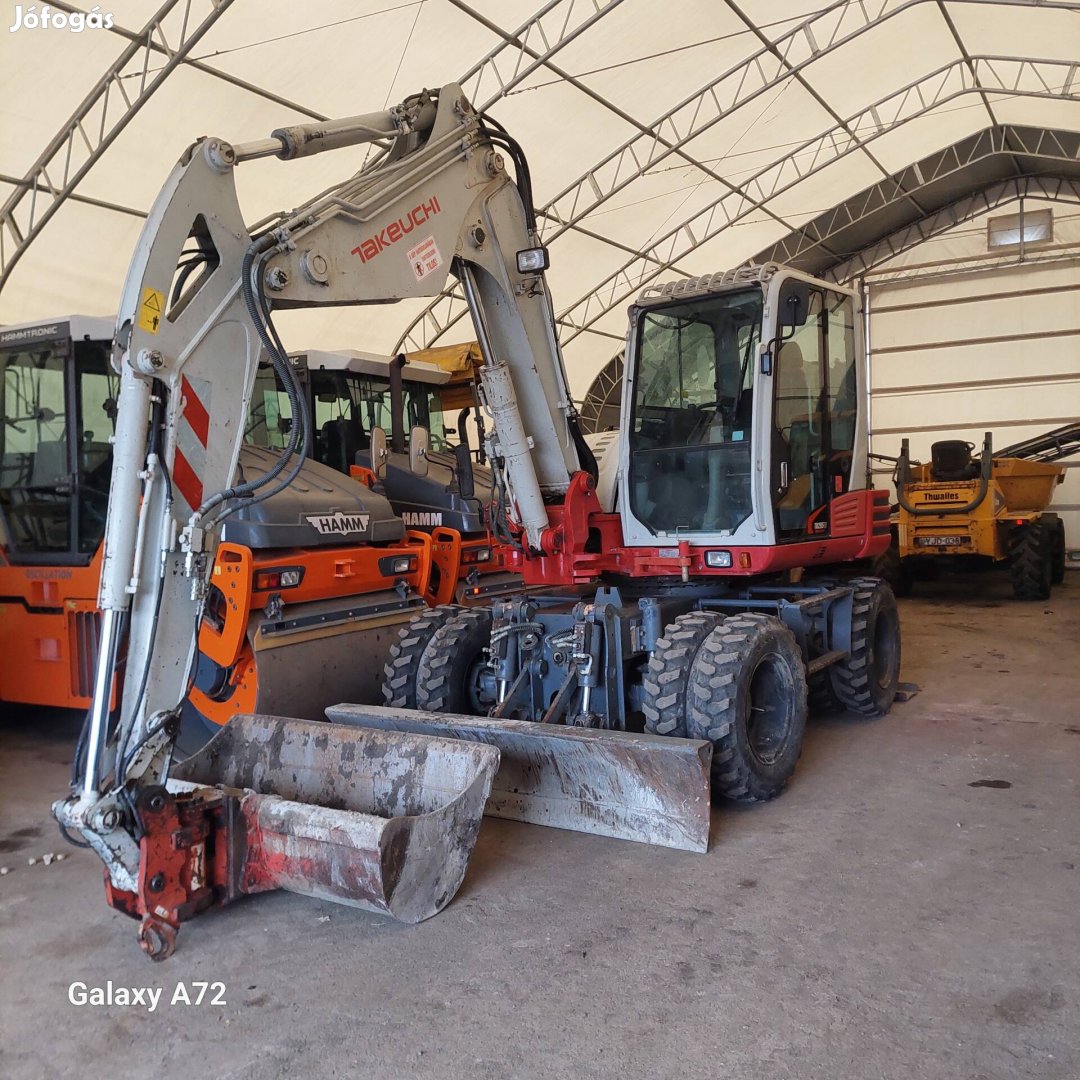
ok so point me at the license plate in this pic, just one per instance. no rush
(940, 541)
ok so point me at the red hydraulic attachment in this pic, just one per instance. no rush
(379, 821)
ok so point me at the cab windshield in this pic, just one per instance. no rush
(55, 454)
(690, 433)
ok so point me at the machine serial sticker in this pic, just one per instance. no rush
(151, 310)
(424, 258)
(327, 524)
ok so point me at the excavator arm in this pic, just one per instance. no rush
(194, 322)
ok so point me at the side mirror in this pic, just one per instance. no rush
(378, 452)
(794, 304)
(419, 442)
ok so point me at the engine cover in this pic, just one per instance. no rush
(319, 508)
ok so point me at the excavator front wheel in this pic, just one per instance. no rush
(403, 667)
(747, 695)
(667, 674)
(449, 673)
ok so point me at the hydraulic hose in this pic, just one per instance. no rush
(299, 434)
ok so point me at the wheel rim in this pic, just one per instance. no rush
(771, 692)
(883, 649)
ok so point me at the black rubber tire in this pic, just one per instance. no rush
(891, 568)
(667, 674)
(749, 663)
(1058, 550)
(820, 696)
(402, 669)
(1031, 564)
(865, 683)
(448, 665)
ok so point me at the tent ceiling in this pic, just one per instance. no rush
(844, 241)
(663, 140)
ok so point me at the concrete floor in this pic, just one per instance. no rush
(889, 916)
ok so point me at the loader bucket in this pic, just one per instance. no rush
(648, 788)
(373, 819)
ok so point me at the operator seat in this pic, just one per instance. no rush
(950, 459)
(50, 465)
(341, 440)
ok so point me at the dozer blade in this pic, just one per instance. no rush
(369, 818)
(647, 788)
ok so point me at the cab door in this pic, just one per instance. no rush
(814, 410)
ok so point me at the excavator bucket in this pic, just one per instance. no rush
(647, 788)
(374, 819)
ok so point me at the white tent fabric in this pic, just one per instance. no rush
(664, 138)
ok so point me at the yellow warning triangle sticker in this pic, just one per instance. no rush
(149, 317)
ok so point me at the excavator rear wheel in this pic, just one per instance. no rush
(747, 695)
(450, 667)
(866, 681)
(403, 667)
(1032, 561)
(668, 672)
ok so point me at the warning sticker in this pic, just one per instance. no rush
(151, 310)
(424, 258)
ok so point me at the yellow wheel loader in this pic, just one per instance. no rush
(960, 511)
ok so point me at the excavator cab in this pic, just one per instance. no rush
(743, 422)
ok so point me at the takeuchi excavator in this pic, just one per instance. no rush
(661, 641)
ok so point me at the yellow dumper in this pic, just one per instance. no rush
(960, 511)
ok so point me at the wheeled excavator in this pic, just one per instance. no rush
(743, 457)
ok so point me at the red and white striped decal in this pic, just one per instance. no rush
(192, 434)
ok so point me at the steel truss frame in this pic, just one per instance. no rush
(820, 34)
(173, 31)
(176, 27)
